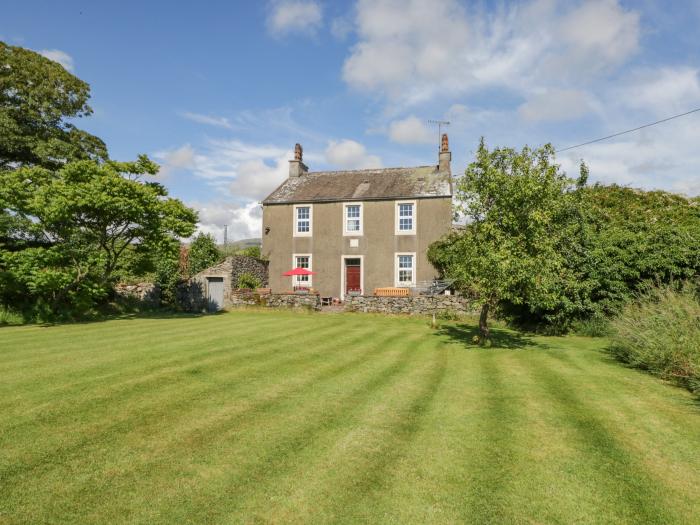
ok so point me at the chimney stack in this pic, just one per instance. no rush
(297, 167)
(445, 156)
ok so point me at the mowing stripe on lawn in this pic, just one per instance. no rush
(644, 412)
(496, 431)
(141, 410)
(121, 349)
(620, 476)
(332, 449)
(215, 432)
(279, 417)
(141, 381)
(380, 440)
(303, 426)
(156, 361)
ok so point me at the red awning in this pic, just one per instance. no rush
(298, 271)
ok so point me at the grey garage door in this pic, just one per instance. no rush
(215, 293)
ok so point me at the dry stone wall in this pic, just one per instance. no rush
(411, 305)
(277, 300)
(147, 293)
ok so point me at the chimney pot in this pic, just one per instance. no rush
(445, 157)
(297, 166)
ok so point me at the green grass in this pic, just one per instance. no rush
(281, 417)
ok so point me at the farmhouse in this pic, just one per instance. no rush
(356, 230)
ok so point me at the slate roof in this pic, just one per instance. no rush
(372, 184)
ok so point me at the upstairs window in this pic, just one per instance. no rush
(302, 221)
(405, 269)
(406, 218)
(353, 219)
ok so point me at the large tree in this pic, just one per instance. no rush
(37, 99)
(519, 208)
(87, 213)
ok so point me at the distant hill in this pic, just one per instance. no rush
(244, 243)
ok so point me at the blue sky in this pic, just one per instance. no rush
(219, 92)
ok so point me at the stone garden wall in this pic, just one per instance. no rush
(411, 305)
(147, 293)
(295, 300)
(276, 300)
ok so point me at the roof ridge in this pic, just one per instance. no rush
(364, 170)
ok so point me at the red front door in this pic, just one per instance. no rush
(352, 275)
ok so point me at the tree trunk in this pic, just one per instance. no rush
(484, 332)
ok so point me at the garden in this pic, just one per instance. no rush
(274, 416)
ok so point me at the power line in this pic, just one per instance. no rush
(629, 130)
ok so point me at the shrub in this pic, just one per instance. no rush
(203, 253)
(9, 317)
(660, 333)
(251, 251)
(168, 276)
(248, 280)
(594, 327)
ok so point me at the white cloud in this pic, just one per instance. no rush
(348, 154)
(59, 56)
(414, 51)
(556, 105)
(243, 220)
(256, 179)
(411, 130)
(240, 174)
(341, 27)
(221, 122)
(662, 157)
(173, 160)
(286, 17)
(600, 35)
(661, 92)
(247, 171)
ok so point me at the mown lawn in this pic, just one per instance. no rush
(282, 417)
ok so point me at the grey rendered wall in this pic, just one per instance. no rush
(376, 246)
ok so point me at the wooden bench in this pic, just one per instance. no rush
(263, 291)
(391, 292)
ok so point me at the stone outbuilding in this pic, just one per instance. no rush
(214, 288)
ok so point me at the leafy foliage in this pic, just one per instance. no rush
(169, 273)
(37, 96)
(83, 217)
(556, 255)
(202, 254)
(251, 251)
(9, 317)
(249, 281)
(233, 249)
(520, 210)
(630, 238)
(660, 332)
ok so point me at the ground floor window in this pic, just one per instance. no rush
(405, 269)
(302, 261)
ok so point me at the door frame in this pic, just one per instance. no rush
(218, 279)
(342, 273)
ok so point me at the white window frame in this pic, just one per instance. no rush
(342, 273)
(359, 232)
(295, 278)
(295, 231)
(397, 218)
(414, 270)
